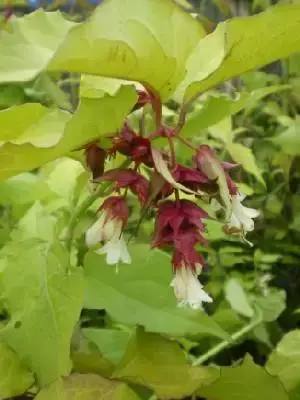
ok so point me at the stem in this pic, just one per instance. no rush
(172, 150)
(235, 337)
(181, 119)
(81, 209)
(184, 141)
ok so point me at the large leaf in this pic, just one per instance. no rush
(284, 362)
(29, 44)
(245, 382)
(15, 377)
(160, 364)
(131, 40)
(55, 134)
(242, 44)
(87, 387)
(42, 295)
(237, 298)
(141, 294)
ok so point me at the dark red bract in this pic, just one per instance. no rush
(116, 208)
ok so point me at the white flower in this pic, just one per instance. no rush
(115, 250)
(109, 231)
(241, 216)
(103, 229)
(188, 289)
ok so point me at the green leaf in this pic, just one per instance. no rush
(24, 53)
(289, 140)
(242, 44)
(32, 124)
(56, 134)
(86, 387)
(141, 294)
(160, 364)
(245, 382)
(284, 361)
(271, 305)
(42, 296)
(243, 155)
(237, 298)
(217, 108)
(110, 342)
(15, 377)
(131, 40)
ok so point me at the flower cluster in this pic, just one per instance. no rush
(160, 182)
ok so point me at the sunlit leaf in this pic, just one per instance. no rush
(42, 296)
(131, 40)
(15, 377)
(144, 289)
(28, 47)
(242, 44)
(289, 140)
(25, 147)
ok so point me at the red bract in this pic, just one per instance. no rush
(209, 164)
(188, 259)
(128, 178)
(95, 158)
(143, 99)
(134, 146)
(116, 208)
(179, 222)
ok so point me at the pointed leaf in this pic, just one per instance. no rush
(15, 377)
(161, 365)
(237, 298)
(245, 382)
(55, 133)
(28, 47)
(42, 296)
(242, 44)
(244, 156)
(144, 289)
(87, 387)
(131, 40)
(284, 361)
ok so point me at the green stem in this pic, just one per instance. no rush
(81, 209)
(234, 338)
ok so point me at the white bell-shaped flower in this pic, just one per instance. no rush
(241, 216)
(188, 290)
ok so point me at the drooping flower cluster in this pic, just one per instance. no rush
(179, 223)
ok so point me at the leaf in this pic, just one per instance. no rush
(131, 40)
(244, 156)
(24, 53)
(160, 364)
(33, 124)
(284, 361)
(245, 382)
(237, 298)
(86, 387)
(110, 342)
(93, 118)
(217, 108)
(289, 140)
(271, 305)
(15, 377)
(42, 296)
(242, 44)
(141, 294)
(97, 86)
